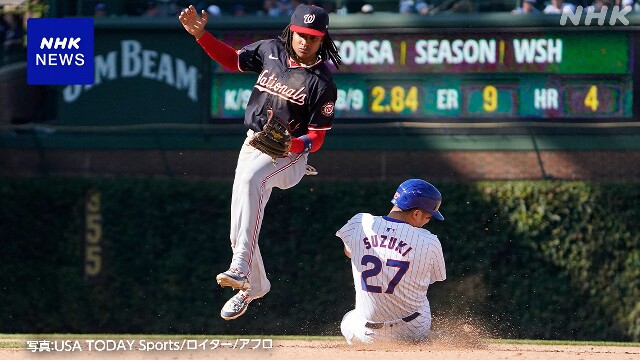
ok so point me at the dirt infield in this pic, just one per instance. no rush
(338, 350)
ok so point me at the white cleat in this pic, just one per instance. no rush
(236, 306)
(234, 278)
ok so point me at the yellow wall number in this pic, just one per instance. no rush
(399, 99)
(591, 100)
(378, 93)
(93, 235)
(411, 101)
(489, 98)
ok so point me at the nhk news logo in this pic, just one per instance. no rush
(615, 14)
(60, 51)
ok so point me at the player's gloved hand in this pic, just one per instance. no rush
(275, 138)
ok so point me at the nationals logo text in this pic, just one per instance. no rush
(272, 86)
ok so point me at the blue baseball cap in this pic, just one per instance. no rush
(417, 193)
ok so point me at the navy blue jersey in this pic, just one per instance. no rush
(302, 95)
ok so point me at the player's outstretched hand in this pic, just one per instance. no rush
(193, 23)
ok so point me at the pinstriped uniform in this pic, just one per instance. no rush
(393, 264)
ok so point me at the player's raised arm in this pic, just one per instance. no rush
(224, 54)
(193, 23)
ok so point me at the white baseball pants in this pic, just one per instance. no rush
(354, 329)
(256, 175)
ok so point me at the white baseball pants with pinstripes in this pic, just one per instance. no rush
(355, 331)
(256, 175)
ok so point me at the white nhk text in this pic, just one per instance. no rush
(145, 345)
(616, 14)
(64, 59)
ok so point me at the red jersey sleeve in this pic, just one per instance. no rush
(224, 54)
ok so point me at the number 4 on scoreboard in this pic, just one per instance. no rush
(591, 100)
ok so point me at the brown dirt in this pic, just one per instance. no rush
(338, 350)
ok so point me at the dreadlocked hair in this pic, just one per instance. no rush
(327, 51)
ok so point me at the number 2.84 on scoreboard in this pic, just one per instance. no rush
(395, 99)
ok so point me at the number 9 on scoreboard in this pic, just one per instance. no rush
(490, 99)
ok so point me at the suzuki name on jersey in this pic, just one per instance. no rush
(65, 59)
(271, 85)
(388, 242)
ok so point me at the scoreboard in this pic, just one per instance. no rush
(471, 75)
(486, 96)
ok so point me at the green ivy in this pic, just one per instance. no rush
(545, 259)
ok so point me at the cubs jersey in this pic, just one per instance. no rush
(393, 264)
(302, 95)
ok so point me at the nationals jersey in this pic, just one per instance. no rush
(393, 264)
(302, 95)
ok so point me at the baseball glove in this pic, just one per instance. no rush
(274, 139)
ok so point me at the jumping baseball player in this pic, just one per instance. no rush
(394, 261)
(288, 113)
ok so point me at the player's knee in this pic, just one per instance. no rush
(345, 328)
(250, 180)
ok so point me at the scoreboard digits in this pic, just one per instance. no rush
(480, 74)
(591, 100)
(601, 99)
(507, 98)
(394, 99)
(489, 98)
(350, 99)
(478, 97)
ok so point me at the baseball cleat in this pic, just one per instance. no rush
(234, 278)
(236, 306)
